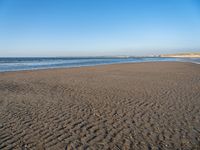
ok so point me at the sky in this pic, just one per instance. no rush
(98, 27)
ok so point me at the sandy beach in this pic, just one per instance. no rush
(122, 106)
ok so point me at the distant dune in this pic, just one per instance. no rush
(184, 55)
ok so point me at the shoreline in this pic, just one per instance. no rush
(39, 69)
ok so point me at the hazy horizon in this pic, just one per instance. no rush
(98, 28)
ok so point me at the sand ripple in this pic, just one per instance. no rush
(126, 106)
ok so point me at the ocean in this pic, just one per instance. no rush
(34, 63)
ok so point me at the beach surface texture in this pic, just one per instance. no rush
(122, 106)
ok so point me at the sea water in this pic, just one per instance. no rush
(32, 63)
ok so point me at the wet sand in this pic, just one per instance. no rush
(123, 106)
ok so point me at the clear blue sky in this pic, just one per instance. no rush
(98, 27)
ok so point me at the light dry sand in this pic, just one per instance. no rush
(123, 106)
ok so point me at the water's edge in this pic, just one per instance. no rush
(38, 63)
